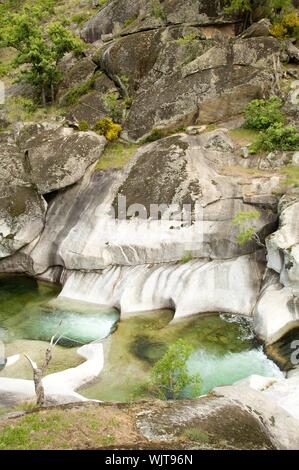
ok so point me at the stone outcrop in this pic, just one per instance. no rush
(201, 82)
(278, 308)
(191, 73)
(38, 159)
(63, 155)
(283, 245)
(22, 210)
(137, 15)
(188, 288)
(86, 228)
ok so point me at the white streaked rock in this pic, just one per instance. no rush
(194, 287)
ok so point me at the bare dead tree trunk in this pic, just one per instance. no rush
(39, 372)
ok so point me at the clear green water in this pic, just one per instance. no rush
(29, 310)
(224, 348)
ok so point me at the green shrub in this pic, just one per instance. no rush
(196, 435)
(268, 8)
(114, 105)
(130, 21)
(83, 126)
(187, 39)
(287, 27)
(276, 137)
(157, 10)
(169, 376)
(73, 95)
(261, 114)
(188, 256)
(80, 18)
(108, 128)
(242, 218)
(116, 155)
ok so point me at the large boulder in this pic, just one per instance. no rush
(277, 311)
(201, 81)
(22, 214)
(117, 15)
(95, 104)
(283, 245)
(22, 210)
(59, 158)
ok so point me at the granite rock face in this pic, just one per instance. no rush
(59, 158)
(277, 311)
(194, 70)
(22, 210)
(137, 15)
(36, 160)
(186, 205)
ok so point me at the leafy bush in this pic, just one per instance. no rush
(83, 126)
(269, 7)
(80, 18)
(38, 47)
(113, 105)
(187, 39)
(108, 128)
(157, 10)
(76, 92)
(196, 435)
(287, 27)
(246, 234)
(261, 114)
(169, 376)
(187, 257)
(276, 137)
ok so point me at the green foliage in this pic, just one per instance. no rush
(76, 92)
(128, 101)
(287, 26)
(157, 10)
(195, 435)
(80, 18)
(169, 376)
(156, 134)
(5, 69)
(260, 114)
(39, 48)
(246, 234)
(291, 176)
(269, 8)
(83, 126)
(238, 6)
(130, 21)
(108, 128)
(187, 39)
(114, 105)
(276, 137)
(188, 256)
(116, 155)
(20, 108)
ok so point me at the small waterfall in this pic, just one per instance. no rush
(194, 287)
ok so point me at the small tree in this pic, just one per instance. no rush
(39, 50)
(246, 234)
(169, 376)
